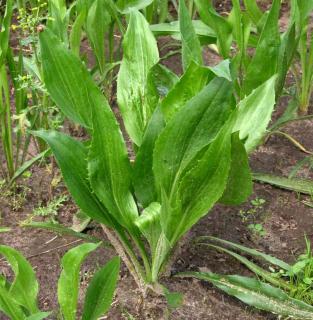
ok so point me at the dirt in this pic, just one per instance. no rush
(284, 216)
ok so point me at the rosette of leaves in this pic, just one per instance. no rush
(189, 138)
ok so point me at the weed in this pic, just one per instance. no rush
(257, 229)
(252, 213)
(50, 210)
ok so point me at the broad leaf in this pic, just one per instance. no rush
(191, 130)
(143, 177)
(149, 224)
(191, 48)
(71, 156)
(239, 184)
(254, 114)
(100, 291)
(139, 56)
(222, 70)
(161, 79)
(24, 288)
(68, 284)
(97, 24)
(67, 80)
(264, 63)
(109, 166)
(202, 185)
(191, 83)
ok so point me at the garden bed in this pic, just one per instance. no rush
(284, 219)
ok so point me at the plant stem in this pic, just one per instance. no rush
(132, 265)
(5, 120)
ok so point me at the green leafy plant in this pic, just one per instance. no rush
(259, 51)
(284, 289)
(24, 104)
(18, 298)
(187, 139)
(257, 229)
(300, 14)
(50, 210)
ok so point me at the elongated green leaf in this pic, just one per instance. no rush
(295, 184)
(239, 175)
(264, 63)
(5, 30)
(257, 294)
(59, 19)
(9, 306)
(251, 252)
(162, 79)
(139, 56)
(71, 156)
(241, 32)
(100, 291)
(98, 21)
(266, 275)
(191, 130)
(149, 224)
(220, 25)
(39, 316)
(68, 284)
(26, 165)
(58, 228)
(202, 185)
(143, 177)
(254, 114)
(67, 80)
(76, 32)
(191, 49)
(222, 70)
(204, 32)
(191, 83)
(287, 51)
(305, 7)
(24, 288)
(160, 252)
(253, 10)
(109, 166)
(128, 6)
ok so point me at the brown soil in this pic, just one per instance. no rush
(284, 216)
